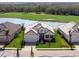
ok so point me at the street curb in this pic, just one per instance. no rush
(10, 48)
(55, 49)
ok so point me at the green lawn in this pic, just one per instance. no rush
(60, 43)
(16, 43)
(41, 17)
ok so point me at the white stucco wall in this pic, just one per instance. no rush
(75, 38)
(4, 39)
(48, 33)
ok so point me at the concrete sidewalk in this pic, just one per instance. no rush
(9, 53)
(26, 52)
(56, 53)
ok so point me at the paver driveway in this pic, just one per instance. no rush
(25, 52)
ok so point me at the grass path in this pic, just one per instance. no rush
(40, 17)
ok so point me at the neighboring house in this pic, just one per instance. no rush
(38, 31)
(8, 31)
(74, 31)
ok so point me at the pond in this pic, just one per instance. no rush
(27, 22)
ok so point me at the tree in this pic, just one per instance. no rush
(70, 35)
(51, 10)
(22, 27)
(17, 52)
(7, 34)
(38, 9)
(49, 43)
(32, 53)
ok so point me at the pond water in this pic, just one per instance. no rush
(27, 22)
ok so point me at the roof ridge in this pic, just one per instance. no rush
(3, 25)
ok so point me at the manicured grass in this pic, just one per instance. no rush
(59, 43)
(40, 17)
(16, 43)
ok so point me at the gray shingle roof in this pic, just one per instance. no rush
(41, 24)
(66, 27)
(76, 26)
(10, 26)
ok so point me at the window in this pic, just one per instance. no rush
(41, 30)
(0, 30)
(47, 36)
(51, 36)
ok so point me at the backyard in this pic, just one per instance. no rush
(41, 17)
(59, 43)
(17, 42)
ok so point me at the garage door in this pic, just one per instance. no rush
(31, 38)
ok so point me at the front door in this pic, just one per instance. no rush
(41, 37)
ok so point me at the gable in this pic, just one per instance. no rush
(49, 33)
(42, 30)
(31, 33)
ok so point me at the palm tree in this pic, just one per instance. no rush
(70, 35)
(49, 43)
(17, 52)
(22, 27)
(7, 34)
(32, 53)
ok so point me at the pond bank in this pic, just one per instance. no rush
(41, 17)
(28, 22)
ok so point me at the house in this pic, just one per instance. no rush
(8, 31)
(38, 32)
(73, 27)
